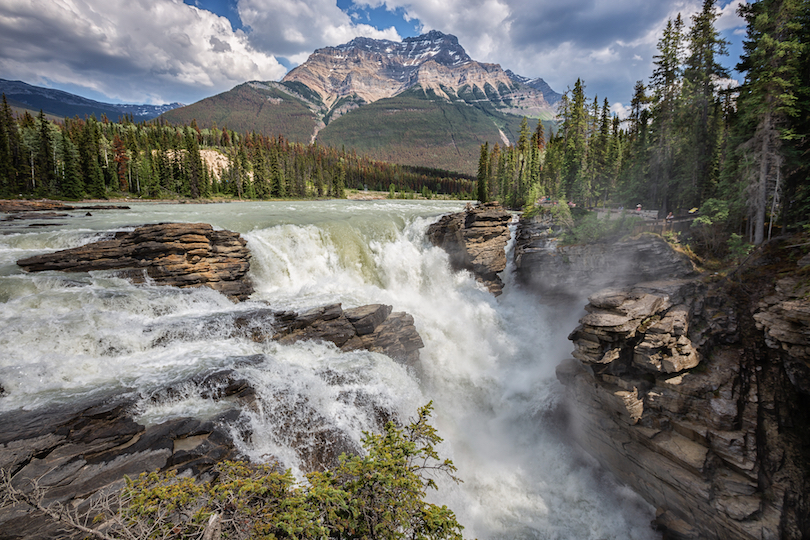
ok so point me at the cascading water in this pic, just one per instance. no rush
(488, 364)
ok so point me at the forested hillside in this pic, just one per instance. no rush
(692, 141)
(100, 159)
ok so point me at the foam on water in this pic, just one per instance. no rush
(488, 364)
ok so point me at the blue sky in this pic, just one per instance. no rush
(160, 51)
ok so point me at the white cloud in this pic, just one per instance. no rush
(130, 50)
(295, 28)
(610, 45)
(620, 110)
(729, 19)
(164, 50)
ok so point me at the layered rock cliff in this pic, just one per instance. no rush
(475, 240)
(570, 273)
(694, 393)
(177, 254)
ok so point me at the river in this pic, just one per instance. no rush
(487, 365)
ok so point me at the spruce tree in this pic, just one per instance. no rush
(701, 71)
(768, 100)
(483, 174)
(71, 183)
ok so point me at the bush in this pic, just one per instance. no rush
(587, 228)
(379, 495)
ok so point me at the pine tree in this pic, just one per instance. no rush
(71, 182)
(575, 132)
(769, 97)
(701, 71)
(666, 85)
(483, 174)
(45, 159)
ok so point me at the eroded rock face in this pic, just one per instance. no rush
(571, 273)
(177, 254)
(373, 327)
(670, 389)
(784, 317)
(475, 240)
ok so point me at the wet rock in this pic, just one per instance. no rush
(784, 317)
(16, 206)
(475, 240)
(71, 453)
(177, 254)
(373, 327)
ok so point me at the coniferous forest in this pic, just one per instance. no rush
(691, 141)
(90, 158)
(739, 155)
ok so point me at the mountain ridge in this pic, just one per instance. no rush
(66, 104)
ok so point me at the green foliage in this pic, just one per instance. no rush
(738, 247)
(561, 214)
(376, 495)
(155, 160)
(588, 228)
(709, 228)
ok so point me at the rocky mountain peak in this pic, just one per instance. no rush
(366, 70)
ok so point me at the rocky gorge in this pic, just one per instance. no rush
(691, 388)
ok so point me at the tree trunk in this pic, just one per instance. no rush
(761, 195)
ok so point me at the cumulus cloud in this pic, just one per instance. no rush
(151, 51)
(295, 28)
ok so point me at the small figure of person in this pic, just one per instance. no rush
(670, 217)
(638, 208)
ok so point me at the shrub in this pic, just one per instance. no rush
(379, 495)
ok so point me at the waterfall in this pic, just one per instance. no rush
(488, 364)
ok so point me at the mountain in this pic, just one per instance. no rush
(539, 84)
(64, 104)
(422, 101)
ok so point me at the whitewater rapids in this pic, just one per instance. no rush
(488, 364)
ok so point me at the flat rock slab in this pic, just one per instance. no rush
(177, 254)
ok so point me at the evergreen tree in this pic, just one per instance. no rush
(575, 132)
(769, 97)
(483, 174)
(666, 85)
(71, 181)
(701, 71)
(45, 158)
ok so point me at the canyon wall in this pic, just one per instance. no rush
(691, 389)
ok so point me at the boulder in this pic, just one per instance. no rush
(177, 254)
(373, 327)
(475, 240)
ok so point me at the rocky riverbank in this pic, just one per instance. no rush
(75, 454)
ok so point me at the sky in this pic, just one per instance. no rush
(163, 51)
